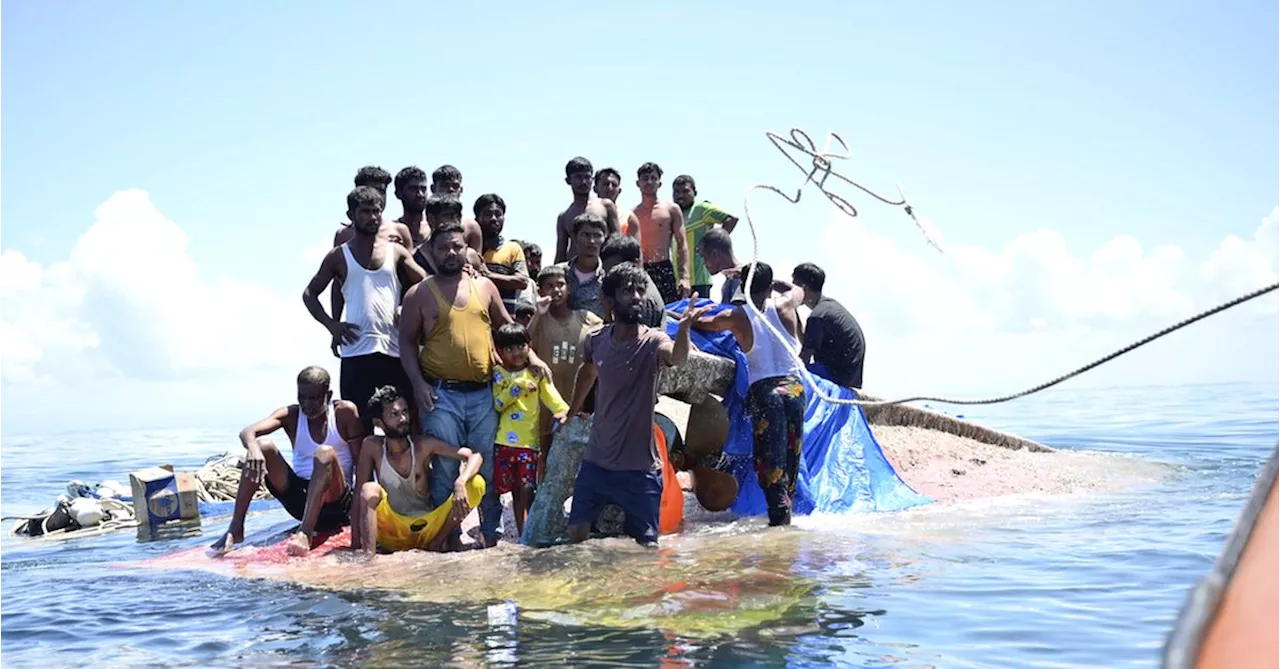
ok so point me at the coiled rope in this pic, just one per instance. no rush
(821, 169)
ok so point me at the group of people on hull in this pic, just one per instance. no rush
(461, 349)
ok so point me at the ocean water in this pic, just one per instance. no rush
(1090, 579)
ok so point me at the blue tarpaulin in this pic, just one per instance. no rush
(842, 469)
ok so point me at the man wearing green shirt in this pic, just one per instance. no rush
(699, 217)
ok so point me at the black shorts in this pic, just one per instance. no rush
(364, 374)
(703, 291)
(333, 515)
(663, 274)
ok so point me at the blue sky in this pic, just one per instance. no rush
(245, 123)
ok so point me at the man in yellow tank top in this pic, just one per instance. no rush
(446, 335)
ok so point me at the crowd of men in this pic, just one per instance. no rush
(467, 354)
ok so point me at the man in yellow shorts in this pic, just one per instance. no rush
(394, 513)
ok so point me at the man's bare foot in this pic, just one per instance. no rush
(299, 544)
(226, 544)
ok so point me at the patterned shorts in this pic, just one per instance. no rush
(513, 467)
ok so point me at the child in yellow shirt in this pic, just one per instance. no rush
(516, 396)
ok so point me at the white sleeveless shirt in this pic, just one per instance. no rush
(304, 447)
(371, 299)
(768, 356)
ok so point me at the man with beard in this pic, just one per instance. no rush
(621, 464)
(609, 187)
(617, 250)
(700, 217)
(373, 274)
(446, 335)
(394, 513)
(446, 181)
(578, 174)
(660, 223)
(314, 488)
(504, 263)
(393, 231)
(775, 397)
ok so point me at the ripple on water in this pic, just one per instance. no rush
(1026, 580)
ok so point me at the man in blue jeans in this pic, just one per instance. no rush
(446, 335)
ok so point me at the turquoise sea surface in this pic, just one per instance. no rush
(1089, 579)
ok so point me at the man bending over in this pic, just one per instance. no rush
(314, 489)
(394, 512)
(775, 397)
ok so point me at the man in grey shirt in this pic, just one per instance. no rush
(621, 465)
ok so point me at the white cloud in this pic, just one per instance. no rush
(129, 321)
(978, 320)
(129, 302)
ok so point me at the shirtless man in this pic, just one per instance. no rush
(374, 274)
(608, 187)
(393, 231)
(578, 174)
(314, 489)
(660, 223)
(394, 513)
(446, 181)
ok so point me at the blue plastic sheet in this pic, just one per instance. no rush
(842, 468)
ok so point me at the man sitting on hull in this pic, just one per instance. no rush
(394, 513)
(314, 489)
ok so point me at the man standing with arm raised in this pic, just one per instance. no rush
(373, 273)
(447, 343)
(660, 223)
(621, 465)
(578, 174)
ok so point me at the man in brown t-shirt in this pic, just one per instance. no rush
(621, 465)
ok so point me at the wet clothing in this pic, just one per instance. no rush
(835, 338)
(464, 416)
(653, 310)
(399, 532)
(514, 467)
(399, 491)
(460, 345)
(777, 407)
(333, 515)
(698, 219)
(776, 402)
(304, 447)
(626, 392)
(637, 492)
(770, 356)
(518, 398)
(663, 274)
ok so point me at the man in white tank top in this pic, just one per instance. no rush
(776, 397)
(374, 274)
(313, 486)
(394, 512)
